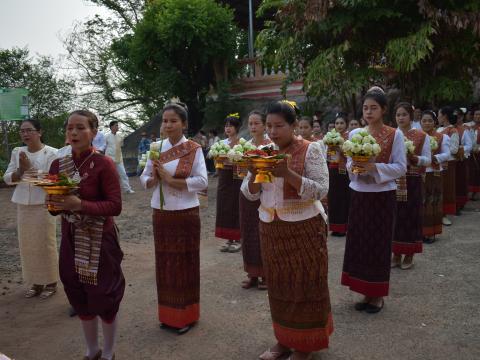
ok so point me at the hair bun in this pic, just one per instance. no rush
(177, 102)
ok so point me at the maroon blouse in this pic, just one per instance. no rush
(100, 187)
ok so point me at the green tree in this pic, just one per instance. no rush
(51, 95)
(180, 48)
(429, 49)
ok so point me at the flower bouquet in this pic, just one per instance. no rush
(333, 140)
(236, 156)
(264, 159)
(218, 152)
(433, 144)
(409, 147)
(155, 150)
(361, 148)
(59, 184)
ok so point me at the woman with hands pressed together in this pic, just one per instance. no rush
(371, 219)
(38, 249)
(293, 237)
(90, 254)
(176, 177)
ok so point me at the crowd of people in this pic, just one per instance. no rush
(387, 211)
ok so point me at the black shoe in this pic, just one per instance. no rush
(428, 240)
(360, 306)
(72, 312)
(338, 234)
(184, 330)
(373, 309)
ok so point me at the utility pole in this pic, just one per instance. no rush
(250, 32)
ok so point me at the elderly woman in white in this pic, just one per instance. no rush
(35, 226)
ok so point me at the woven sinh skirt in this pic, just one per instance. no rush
(449, 199)
(38, 244)
(432, 209)
(474, 173)
(408, 236)
(295, 260)
(461, 183)
(368, 249)
(227, 224)
(338, 200)
(177, 263)
(251, 251)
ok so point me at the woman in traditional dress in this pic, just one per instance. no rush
(293, 236)
(433, 203)
(338, 189)
(176, 177)
(447, 119)
(38, 249)
(408, 236)
(252, 256)
(305, 128)
(474, 168)
(353, 124)
(317, 130)
(366, 265)
(90, 254)
(227, 224)
(461, 166)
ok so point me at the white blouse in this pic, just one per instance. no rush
(425, 158)
(454, 142)
(25, 193)
(384, 176)
(467, 142)
(175, 199)
(314, 188)
(443, 155)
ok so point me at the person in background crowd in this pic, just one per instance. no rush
(99, 142)
(317, 130)
(252, 257)
(153, 136)
(181, 172)
(227, 222)
(36, 228)
(371, 219)
(114, 151)
(353, 124)
(408, 236)
(433, 198)
(143, 147)
(447, 119)
(474, 178)
(92, 278)
(305, 128)
(331, 126)
(212, 139)
(293, 235)
(417, 117)
(461, 166)
(338, 190)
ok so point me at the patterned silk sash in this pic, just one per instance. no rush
(87, 235)
(185, 152)
(298, 152)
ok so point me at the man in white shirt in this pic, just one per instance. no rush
(113, 149)
(417, 118)
(99, 142)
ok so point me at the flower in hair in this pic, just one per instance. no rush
(293, 104)
(234, 115)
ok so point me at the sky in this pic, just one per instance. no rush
(39, 24)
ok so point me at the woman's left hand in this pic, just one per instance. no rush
(162, 174)
(281, 169)
(65, 202)
(413, 159)
(368, 168)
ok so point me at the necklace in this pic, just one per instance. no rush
(76, 175)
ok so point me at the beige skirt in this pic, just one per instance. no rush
(38, 244)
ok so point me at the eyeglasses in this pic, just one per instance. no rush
(27, 131)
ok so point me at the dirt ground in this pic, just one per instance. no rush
(432, 311)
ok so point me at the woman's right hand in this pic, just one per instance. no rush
(24, 162)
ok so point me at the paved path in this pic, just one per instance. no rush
(432, 312)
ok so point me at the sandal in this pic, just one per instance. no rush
(251, 282)
(235, 247)
(35, 290)
(96, 357)
(48, 291)
(273, 355)
(226, 246)
(262, 285)
(309, 357)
